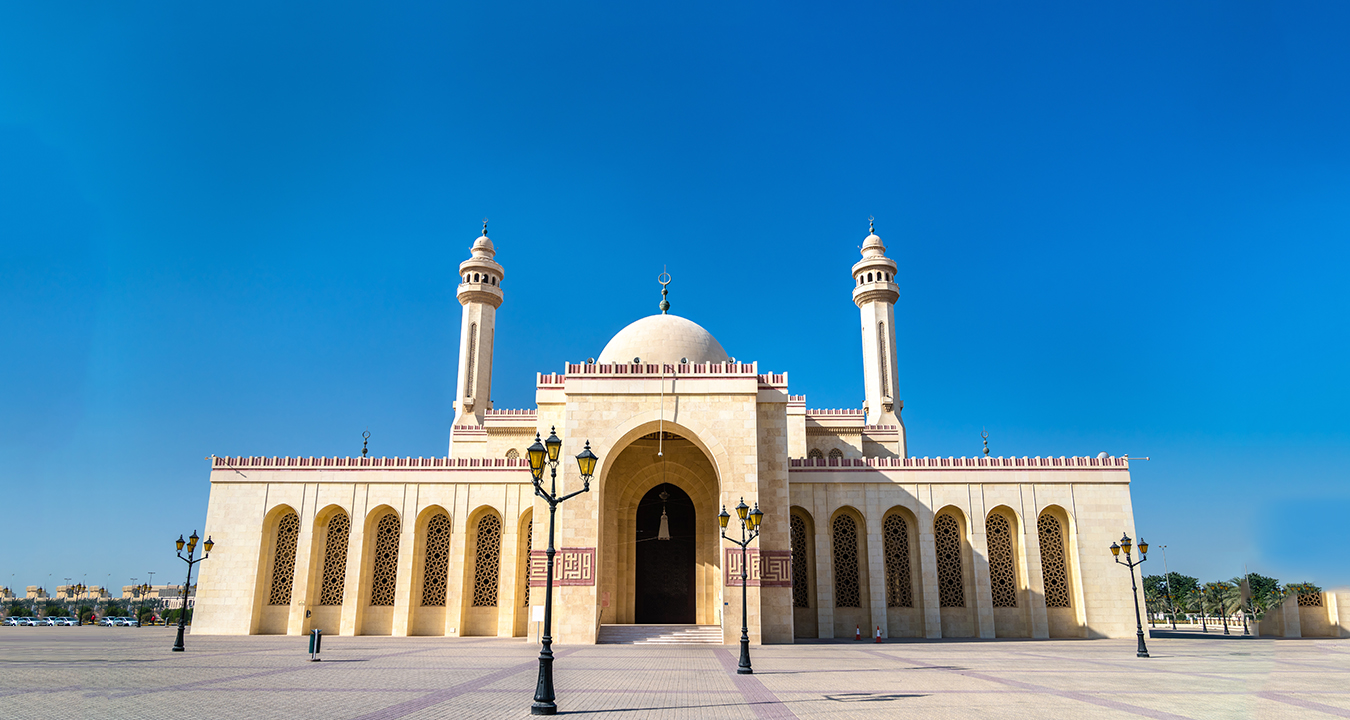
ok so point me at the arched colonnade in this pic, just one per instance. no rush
(940, 575)
(389, 575)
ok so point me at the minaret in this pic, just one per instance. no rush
(480, 293)
(875, 293)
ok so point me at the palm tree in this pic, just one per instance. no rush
(1153, 602)
(1216, 600)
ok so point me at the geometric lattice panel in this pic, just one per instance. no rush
(529, 545)
(488, 561)
(836, 454)
(335, 559)
(801, 594)
(951, 581)
(1312, 599)
(1054, 571)
(815, 453)
(899, 590)
(846, 590)
(283, 559)
(385, 572)
(1002, 578)
(437, 565)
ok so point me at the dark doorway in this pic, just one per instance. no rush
(665, 568)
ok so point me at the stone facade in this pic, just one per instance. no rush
(857, 535)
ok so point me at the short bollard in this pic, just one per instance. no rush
(315, 642)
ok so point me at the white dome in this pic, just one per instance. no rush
(663, 339)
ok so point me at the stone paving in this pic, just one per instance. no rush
(96, 672)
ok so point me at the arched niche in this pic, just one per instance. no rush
(1007, 573)
(955, 572)
(325, 592)
(379, 572)
(1059, 573)
(431, 571)
(632, 473)
(802, 541)
(901, 571)
(275, 583)
(848, 561)
(482, 594)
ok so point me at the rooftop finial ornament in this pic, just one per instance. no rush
(871, 225)
(665, 304)
(484, 227)
(985, 434)
(365, 440)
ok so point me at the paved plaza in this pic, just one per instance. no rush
(93, 672)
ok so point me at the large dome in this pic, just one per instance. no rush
(663, 339)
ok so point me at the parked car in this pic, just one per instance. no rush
(47, 622)
(108, 622)
(131, 622)
(13, 621)
(67, 621)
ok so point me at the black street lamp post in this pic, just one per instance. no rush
(541, 454)
(1131, 563)
(750, 520)
(191, 548)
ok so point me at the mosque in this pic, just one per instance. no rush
(859, 535)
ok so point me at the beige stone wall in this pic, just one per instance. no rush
(1094, 507)
(735, 438)
(235, 580)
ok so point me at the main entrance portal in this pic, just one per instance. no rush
(665, 592)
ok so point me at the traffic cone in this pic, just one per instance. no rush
(857, 632)
(878, 633)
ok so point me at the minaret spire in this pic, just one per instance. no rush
(480, 294)
(875, 293)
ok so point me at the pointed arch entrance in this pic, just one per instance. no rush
(664, 582)
(635, 585)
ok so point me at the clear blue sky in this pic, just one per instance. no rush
(234, 228)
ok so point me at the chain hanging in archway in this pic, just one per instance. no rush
(437, 565)
(951, 579)
(1053, 569)
(899, 589)
(335, 559)
(1002, 577)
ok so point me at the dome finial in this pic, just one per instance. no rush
(484, 227)
(871, 225)
(665, 304)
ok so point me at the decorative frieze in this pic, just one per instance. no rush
(572, 566)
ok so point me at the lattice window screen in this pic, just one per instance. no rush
(487, 561)
(335, 559)
(436, 567)
(529, 545)
(801, 594)
(1002, 577)
(846, 591)
(951, 581)
(513, 454)
(836, 454)
(1310, 599)
(283, 560)
(1054, 572)
(385, 572)
(816, 453)
(899, 589)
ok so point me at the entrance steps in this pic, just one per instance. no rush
(660, 635)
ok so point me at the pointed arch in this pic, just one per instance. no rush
(276, 571)
(802, 538)
(482, 568)
(430, 568)
(379, 572)
(848, 546)
(1058, 578)
(904, 582)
